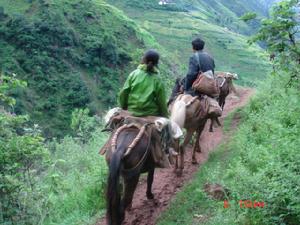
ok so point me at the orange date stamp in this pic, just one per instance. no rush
(246, 204)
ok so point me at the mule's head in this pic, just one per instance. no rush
(177, 85)
(232, 76)
(177, 89)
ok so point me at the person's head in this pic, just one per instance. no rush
(198, 44)
(150, 59)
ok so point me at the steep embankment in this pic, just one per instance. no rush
(175, 25)
(73, 54)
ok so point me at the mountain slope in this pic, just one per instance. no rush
(73, 54)
(222, 12)
(77, 54)
(175, 25)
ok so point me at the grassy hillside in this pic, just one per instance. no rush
(73, 54)
(175, 25)
(261, 163)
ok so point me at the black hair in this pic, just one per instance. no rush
(198, 44)
(151, 59)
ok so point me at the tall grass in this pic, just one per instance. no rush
(78, 179)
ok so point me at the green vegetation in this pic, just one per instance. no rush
(20, 150)
(281, 33)
(76, 181)
(75, 55)
(48, 183)
(261, 163)
(70, 53)
(176, 29)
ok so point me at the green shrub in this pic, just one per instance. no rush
(267, 169)
(23, 160)
(48, 183)
(77, 179)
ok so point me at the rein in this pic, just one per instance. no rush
(223, 82)
(224, 79)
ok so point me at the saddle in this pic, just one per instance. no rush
(161, 135)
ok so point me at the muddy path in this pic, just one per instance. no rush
(166, 184)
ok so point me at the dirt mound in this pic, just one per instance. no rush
(166, 184)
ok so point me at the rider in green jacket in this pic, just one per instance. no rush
(143, 93)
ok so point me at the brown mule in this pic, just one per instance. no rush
(189, 113)
(225, 81)
(129, 165)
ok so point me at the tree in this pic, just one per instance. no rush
(248, 16)
(279, 33)
(22, 157)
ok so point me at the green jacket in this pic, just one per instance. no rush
(144, 94)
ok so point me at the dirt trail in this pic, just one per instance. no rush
(166, 184)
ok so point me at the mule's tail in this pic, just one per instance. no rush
(115, 213)
(178, 113)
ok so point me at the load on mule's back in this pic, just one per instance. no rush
(137, 144)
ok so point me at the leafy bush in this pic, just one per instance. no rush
(83, 125)
(267, 168)
(23, 159)
(48, 183)
(280, 33)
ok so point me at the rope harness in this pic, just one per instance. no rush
(133, 143)
(224, 80)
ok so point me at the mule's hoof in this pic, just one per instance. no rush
(194, 162)
(150, 195)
